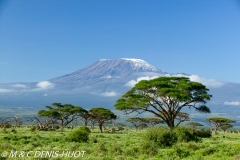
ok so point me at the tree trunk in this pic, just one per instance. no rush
(170, 123)
(100, 127)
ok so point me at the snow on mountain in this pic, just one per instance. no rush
(108, 69)
(140, 64)
(102, 82)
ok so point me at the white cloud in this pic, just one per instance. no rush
(232, 103)
(45, 95)
(131, 83)
(109, 94)
(207, 82)
(44, 85)
(107, 76)
(19, 86)
(5, 90)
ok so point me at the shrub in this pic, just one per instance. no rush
(203, 133)
(161, 136)
(181, 153)
(149, 148)
(56, 127)
(33, 128)
(208, 151)
(168, 138)
(152, 133)
(85, 129)
(184, 135)
(7, 125)
(79, 135)
(94, 140)
(14, 131)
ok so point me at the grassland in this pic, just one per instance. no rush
(121, 145)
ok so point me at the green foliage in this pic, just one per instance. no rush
(116, 149)
(13, 131)
(149, 148)
(220, 120)
(33, 128)
(184, 135)
(128, 145)
(161, 136)
(162, 94)
(152, 121)
(7, 125)
(79, 135)
(101, 115)
(203, 133)
(102, 148)
(85, 129)
(217, 122)
(64, 114)
(181, 153)
(136, 121)
(193, 124)
(225, 126)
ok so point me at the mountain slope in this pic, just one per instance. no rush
(103, 82)
(106, 69)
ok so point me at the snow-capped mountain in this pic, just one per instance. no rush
(103, 82)
(107, 69)
(100, 83)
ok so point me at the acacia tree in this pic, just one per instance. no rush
(136, 121)
(217, 122)
(193, 125)
(152, 121)
(4, 121)
(101, 115)
(225, 126)
(63, 114)
(85, 117)
(165, 97)
(16, 120)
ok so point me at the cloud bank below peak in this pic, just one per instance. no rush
(195, 78)
(207, 82)
(44, 85)
(132, 83)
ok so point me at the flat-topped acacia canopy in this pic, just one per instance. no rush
(165, 97)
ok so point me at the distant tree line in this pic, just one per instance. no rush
(63, 115)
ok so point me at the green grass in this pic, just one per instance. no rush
(122, 145)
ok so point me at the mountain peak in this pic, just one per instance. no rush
(133, 59)
(139, 64)
(114, 68)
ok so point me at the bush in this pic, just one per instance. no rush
(33, 128)
(181, 153)
(149, 148)
(14, 131)
(168, 138)
(184, 135)
(163, 137)
(203, 133)
(79, 135)
(85, 129)
(7, 125)
(56, 127)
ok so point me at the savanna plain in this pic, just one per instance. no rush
(152, 143)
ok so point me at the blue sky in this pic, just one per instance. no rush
(42, 39)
